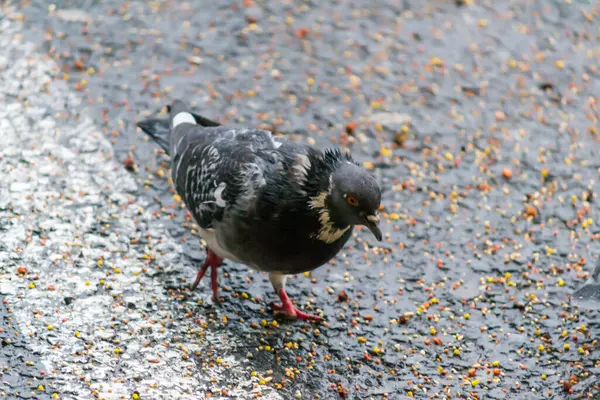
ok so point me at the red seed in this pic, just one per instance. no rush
(302, 33)
(129, 163)
(507, 173)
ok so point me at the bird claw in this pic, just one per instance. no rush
(291, 312)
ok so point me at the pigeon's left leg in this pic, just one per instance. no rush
(286, 307)
(214, 261)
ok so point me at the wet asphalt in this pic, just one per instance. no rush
(481, 123)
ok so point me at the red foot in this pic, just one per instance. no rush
(214, 281)
(213, 261)
(290, 311)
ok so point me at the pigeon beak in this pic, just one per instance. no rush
(372, 222)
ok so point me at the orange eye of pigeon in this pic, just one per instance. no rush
(353, 201)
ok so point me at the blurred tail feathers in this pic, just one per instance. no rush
(159, 129)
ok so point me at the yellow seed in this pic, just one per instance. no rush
(496, 364)
(41, 387)
(567, 346)
(580, 350)
(432, 331)
(512, 63)
(394, 216)
(449, 156)
(544, 377)
(245, 296)
(87, 283)
(467, 316)
(100, 262)
(253, 373)
(77, 333)
(436, 61)
(560, 64)
(545, 173)
(386, 152)
(50, 328)
(541, 347)
(31, 285)
(561, 282)
(310, 81)
(482, 23)
(475, 382)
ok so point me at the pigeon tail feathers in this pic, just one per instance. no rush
(159, 130)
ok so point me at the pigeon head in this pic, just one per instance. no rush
(354, 198)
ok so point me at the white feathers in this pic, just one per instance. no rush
(301, 167)
(277, 280)
(219, 194)
(183, 118)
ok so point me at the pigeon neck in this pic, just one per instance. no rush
(332, 227)
(336, 218)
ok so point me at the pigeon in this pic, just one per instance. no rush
(276, 205)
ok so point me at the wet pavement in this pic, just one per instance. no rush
(481, 122)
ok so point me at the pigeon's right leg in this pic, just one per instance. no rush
(214, 261)
(286, 307)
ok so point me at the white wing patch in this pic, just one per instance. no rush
(183, 118)
(301, 168)
(219, 194)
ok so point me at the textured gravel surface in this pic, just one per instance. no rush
(480, 120)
